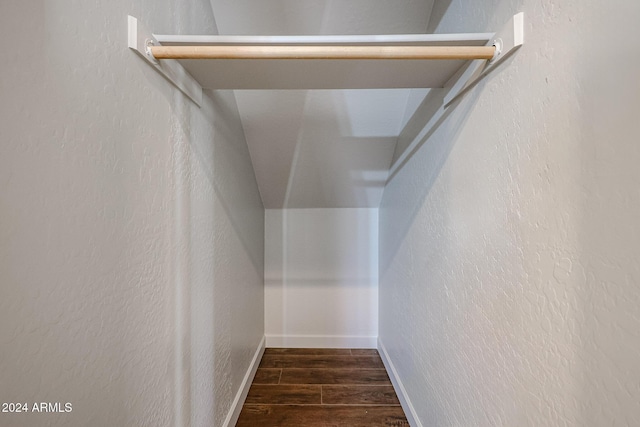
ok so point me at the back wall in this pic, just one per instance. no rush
(321, 277)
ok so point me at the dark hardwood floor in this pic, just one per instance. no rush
(321, 387)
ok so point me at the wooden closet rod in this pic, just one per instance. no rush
(322, 52)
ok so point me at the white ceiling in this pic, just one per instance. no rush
(323, 148)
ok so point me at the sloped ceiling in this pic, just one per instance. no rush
(323, 148)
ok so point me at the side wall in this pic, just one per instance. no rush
(131, 228)
(509, 242)
(321, 283)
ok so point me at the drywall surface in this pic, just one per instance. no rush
(235, 241)
(321, 277)
(225, 261)
(130, 225)
(509, 242)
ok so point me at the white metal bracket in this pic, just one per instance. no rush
(140, 39)
(506, 41)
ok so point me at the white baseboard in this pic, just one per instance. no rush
(321, 341)
(407, 406)
(236, 406)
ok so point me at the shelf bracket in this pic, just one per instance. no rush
(506, 41)
(140, 40)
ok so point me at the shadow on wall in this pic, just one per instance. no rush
(224, 147)
(437, 13)
(416, 138)
(220, 107)
(218, 260)
(436, 154)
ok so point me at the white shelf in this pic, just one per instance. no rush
(330, 73)
(323, 74)
(476, 39)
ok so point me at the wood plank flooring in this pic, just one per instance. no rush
(321, 387)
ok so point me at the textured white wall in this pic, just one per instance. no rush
(131, 228)
(509, 243)
(321, 277)
(223, 228)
